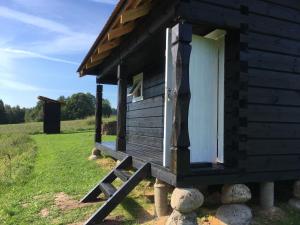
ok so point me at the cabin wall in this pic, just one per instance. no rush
(144, 124)
(273, 86)
(262, 102)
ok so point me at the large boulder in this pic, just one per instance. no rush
(186, 200)
(177, 218)
(234, 214)
(296, 190)
(236, 193)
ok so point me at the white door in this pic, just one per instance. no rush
(206, 109)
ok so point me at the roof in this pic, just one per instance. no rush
(45, 99)
(121, 22)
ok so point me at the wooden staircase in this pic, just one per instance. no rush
(115, 196)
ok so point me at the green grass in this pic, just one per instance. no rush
(61, 165)
(66, 126)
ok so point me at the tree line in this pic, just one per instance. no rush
(77, 106)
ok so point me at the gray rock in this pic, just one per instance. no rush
(186, 200)
(295, 203)
(236, 193)
(96, 152)
(177, 218)
(296, 191)
(234, 214)
(93, 157)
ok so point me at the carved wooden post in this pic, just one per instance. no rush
(122, 108)
(181, 50)
(98, 115)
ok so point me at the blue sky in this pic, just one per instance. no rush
(42, 43)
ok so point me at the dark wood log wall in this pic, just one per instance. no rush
(262, 129)
(144, 128)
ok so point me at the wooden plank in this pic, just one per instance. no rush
(272, 61)
(271, 113)
(147, 103)
(259, 95)
(99, 57)
(119, 195)
(145, 140)
(98, 114)
(273, 130)
(151, 132)
(135, 13)
(148, 122)
(96, 191)
(108, 46)
(144, 113)
(121, 110)
(107, 189)
(271, 163)
(274, 79)
(271, 43)
(273, 147)
(120, 31)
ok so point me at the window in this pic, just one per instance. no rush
(136, 90)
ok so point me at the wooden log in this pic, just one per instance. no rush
(122, 107)
(98, 115)
(180, 142)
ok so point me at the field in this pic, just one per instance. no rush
(42, 177)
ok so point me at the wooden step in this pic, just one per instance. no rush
(120, 194)
(93, 194)
(107, 189)
(124, 175)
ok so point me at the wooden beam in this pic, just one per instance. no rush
(122, 108)
(96, 61)
(180, 142)
(120, 31)
(133, 14)
(108, 46)
(98, 115)
(99, 57)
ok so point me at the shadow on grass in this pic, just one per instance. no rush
(136, 210)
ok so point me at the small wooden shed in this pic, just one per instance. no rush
(208, 91)
(51, 115)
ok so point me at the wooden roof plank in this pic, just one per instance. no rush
(108, 46)
(120, 31)
(133, 14)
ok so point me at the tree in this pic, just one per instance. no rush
(106, 108)
(34, 114)
(79, 106)
(3, 118)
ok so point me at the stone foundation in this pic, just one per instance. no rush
(184, 202)
(234, 211)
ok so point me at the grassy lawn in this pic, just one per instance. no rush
(66, 126)
(42, 177)
(61, 175)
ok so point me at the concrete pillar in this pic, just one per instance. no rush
(267, 195)
(161, 198)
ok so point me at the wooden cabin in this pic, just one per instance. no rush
(208, 91)
(51, 115)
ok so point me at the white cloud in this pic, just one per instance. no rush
(15, 85)
(28, 54)
(34, 20)
(111, 2)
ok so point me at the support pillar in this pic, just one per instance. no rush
(121, 111)
(98, 114)
(267, 195)
(161, 198)
(185, 201)
(180, 142)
